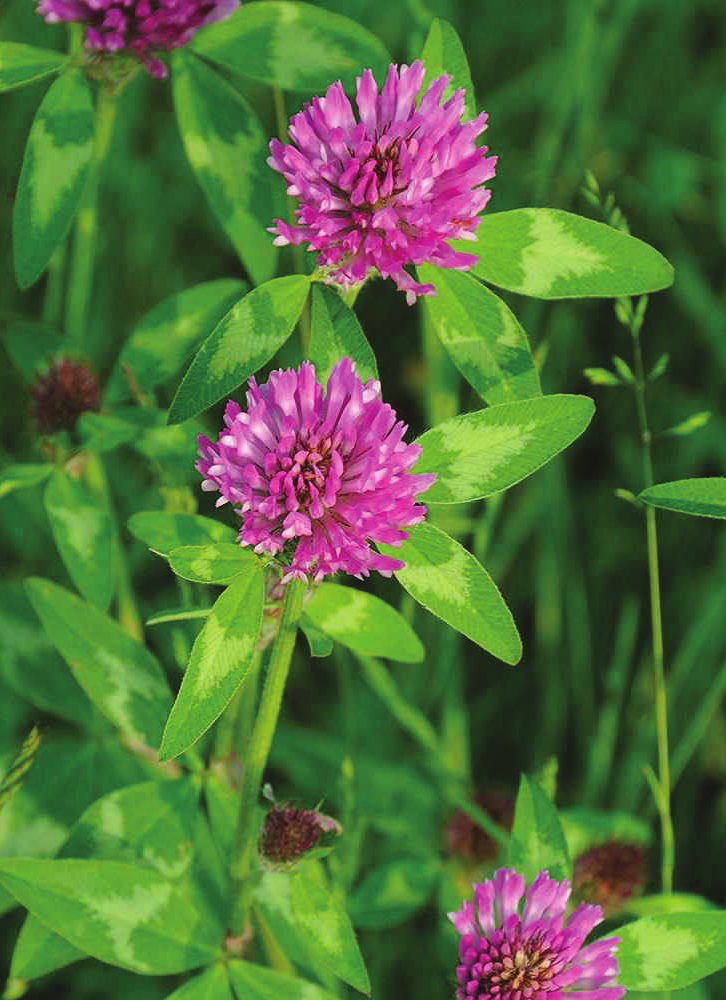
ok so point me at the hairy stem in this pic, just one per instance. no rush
(661, 706)
(80, 281)
(245, 843)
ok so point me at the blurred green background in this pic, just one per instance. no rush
(634, 91)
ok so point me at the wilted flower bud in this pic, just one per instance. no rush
(466, 840)
(609, 874)
(289, 833)
(62, 394)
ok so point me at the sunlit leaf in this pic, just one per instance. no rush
(163, 531)
(702, 497)
(218, 563)
(444, 53)
(538, 842)
(670, 951)
(19, 64)
(335, 334)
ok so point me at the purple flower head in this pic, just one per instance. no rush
(388, 188)
(513, 952)
(325, 474)
(141, 27)
(61, 394)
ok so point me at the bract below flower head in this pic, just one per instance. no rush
(511, 951)
(326, 474)
(139, 27)
(389, 188)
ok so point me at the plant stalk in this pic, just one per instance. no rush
(245, 842)
(80, 281)
(663, 801)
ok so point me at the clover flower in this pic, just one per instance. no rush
(140, 27)
(466, 840)
(323, 475)
(610, 874)
(62, 394)
(513, 953)
(389, 188)
(289, 832)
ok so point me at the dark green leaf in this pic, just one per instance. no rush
(478, 454)
(294, 46)
(85, 536)
(219, 562)
(449, 582)
(20, 64)
(537, 842)
(55, 167)
(21, 477)
(167, 336)
(119, 675)
(227, 149)
(30, 346)
(482, 336)
(702, 497)
(122, 914)
(255, 982)
(212, 984)
(552, 254)
(220, 660)
(13, 777)
(320, 644)
(163, 531)
(389, 894)
(670, 951)
(363, 623)
(247, 337)
(335, 334)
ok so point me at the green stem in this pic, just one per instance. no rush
(245, 843)
(80, 280)
(656, 617)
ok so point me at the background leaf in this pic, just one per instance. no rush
(220, 660)
(538, 841)
(227, 149)
(335, 334)
(166, 337)
(702, 497)
(444, 53)
(163, 531)
(363, 623)
(120, 676)
(55, 167)
(670, 951)
(294, 46)
(481, 335)
(477, 454)
(119, 913)
(247, 337)
(553, 254)
(20, 64)
(449, 582)
(85, 536)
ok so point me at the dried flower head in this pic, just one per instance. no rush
(139, 27)
(509, 952)
(62, 394)
(465, 839)
(389, 188)
(288, 833)
(610, 874)
(323, 475)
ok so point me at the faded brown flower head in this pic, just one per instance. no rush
(62, 394)
(466, 840)
(610, 874)
(289, 832)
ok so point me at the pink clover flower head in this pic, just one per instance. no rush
(327, 474)
(140, 27)
(389, 187)
(511, 951)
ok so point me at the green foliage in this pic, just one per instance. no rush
(702, 497)
(120, 676)
(244, 340)
(19, 64)
(672, 950)
(163, 531)
(220, 660)
(255, 982)
(219, 562)
(444, 53)
(294, 46)
(227, 147)
(552, 254)
(13, 778)
(388, 895)
(538, 841)
(481, 335)
(478, 454)
(335, 333)
(449, 582)
(55, 167)
(363, 623)
(20, 477)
